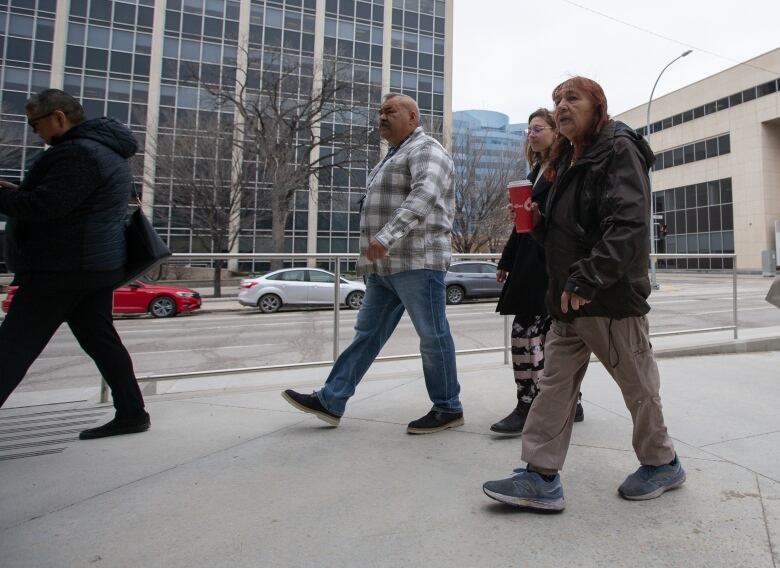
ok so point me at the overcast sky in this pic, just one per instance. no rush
(509, 54)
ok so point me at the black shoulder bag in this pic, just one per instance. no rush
(145, 248)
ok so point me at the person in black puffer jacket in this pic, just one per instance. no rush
(522, 269)
(595, 231)
(65, 245)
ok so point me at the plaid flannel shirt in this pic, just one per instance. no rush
(409, 208)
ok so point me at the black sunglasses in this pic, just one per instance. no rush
(31, 122)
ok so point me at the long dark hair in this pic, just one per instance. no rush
(536, 158)
(562, 145)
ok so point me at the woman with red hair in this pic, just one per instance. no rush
(595, 233)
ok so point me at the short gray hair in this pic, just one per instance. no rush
(50, 100)
(407, 98)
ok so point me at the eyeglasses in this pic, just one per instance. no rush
(32, 122)
(537, 129)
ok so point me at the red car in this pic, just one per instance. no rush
(141, 297)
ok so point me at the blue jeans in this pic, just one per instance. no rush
(421, 293)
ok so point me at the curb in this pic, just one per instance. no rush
(734, 346)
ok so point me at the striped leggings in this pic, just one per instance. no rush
(528, 354)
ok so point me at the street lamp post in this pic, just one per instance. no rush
(653, 279)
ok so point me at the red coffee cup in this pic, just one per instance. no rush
(520, 198)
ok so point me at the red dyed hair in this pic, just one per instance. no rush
(561, 146)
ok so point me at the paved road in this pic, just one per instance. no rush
(227, 338)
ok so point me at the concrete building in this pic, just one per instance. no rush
(130, 59)
(716, 183)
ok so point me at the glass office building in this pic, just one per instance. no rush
(488, 136)
(134, 60)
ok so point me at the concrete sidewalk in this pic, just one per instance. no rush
(236, 477)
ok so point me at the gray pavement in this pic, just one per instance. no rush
(230, 475)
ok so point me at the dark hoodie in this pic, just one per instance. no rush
(596, 227)
(68, 214)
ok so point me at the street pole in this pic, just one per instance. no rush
(653, 279)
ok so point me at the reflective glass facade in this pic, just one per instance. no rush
(110, 50)
(26, 46)
(490, 138)
(696, 218)
(694, 152)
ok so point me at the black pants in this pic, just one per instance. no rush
(35, 314)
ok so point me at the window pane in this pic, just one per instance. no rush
(679, 197)
(690, 220)
(712, 147)
(716, 242)
(701, 194)
(724, 144)
(294, 276)
(317, 276)
(690, 197)
(18, 49)
(688, 153)
(700, 151)
(703, 219)
(715, 224)
(725, 190)
(727, 217)
(728, 241)
(669, 199)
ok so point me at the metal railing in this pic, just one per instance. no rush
(337, 260)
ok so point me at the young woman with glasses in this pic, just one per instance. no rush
(522, 270)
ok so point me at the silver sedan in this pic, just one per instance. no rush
(298, 287)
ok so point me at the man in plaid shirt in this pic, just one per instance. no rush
(405, 229)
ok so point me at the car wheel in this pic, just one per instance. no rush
(269, 303)
(162, 307)
(455, 294)
(355, 299)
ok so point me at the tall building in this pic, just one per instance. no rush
(716, 181)
(134, 60)
(488, 137)
(488, 152)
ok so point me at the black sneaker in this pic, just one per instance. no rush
(579, 414)
(435, 421)
(118, 426)
(311, 403)
(513, 424)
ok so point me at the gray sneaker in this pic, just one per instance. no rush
(651, 481)
(527, 489)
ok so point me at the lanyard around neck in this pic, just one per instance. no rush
(390, 153)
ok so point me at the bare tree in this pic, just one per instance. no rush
(210, 182)
(294, 128)
(481, 177)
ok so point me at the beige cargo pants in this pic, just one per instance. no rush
(623, 347)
